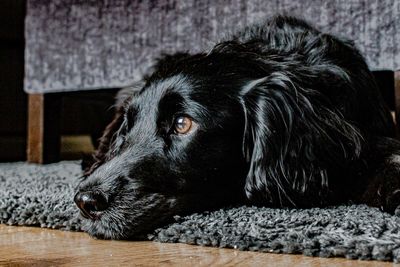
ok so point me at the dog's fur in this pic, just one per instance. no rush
(287, 116)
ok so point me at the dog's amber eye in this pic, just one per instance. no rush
(183, 124)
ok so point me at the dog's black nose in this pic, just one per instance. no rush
(90, 203)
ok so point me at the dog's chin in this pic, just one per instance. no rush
(130, 218)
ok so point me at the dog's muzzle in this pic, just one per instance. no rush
(91, 204)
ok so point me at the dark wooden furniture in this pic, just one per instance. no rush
(71, 113)
(44, 128)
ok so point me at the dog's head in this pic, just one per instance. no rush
(204, 131)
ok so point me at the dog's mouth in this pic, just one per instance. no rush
(93, 215)
(126, 218)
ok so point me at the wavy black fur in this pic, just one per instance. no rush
(287, 117)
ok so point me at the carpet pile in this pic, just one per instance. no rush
(35, 195)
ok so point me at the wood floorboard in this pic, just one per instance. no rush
(32, 246)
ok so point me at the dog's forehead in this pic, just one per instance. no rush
(151, 95)
(183, 93)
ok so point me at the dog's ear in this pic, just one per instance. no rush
(292, 140)
(89, 165)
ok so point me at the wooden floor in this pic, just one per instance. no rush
(30, 246)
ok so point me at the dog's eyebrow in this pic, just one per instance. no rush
(174, 102)
(171, 103)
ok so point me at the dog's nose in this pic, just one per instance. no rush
(90, 203)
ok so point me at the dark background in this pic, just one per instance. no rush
(13, 101)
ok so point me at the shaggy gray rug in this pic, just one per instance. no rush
(42, 196)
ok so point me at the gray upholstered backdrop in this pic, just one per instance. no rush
(91, 44)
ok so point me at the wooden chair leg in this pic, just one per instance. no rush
(43, 144)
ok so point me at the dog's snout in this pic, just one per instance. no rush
(90, 203)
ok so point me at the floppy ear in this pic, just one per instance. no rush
(102, 151)
(294, 142)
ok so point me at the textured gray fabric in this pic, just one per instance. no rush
(354, 232)
(42, 196)
(39, 195)
(81, 44)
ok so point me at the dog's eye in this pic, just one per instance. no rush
(183, 125)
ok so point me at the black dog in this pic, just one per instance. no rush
(279, 115)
